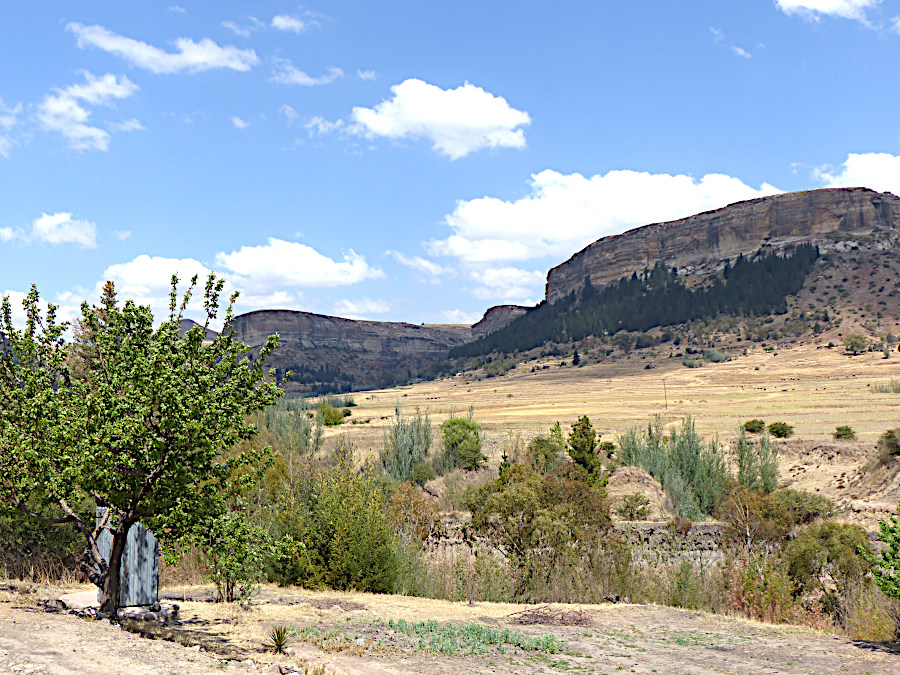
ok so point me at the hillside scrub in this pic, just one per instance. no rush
(694, 474)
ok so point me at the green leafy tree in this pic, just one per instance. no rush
(461, 438)
(856, 343)
(844, 433)
(142, 430)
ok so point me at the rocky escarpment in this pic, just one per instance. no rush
(328, 353)
(701, 243)
(496, 318)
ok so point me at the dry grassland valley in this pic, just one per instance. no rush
(685, 459)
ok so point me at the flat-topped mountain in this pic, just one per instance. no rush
(702, 243)
(328, 353)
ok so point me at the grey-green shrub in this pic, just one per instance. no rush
(406, 444)
(693, 473)
(757, 462)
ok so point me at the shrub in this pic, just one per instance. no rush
(461, 438)
(888, 446)
(634, 507)
(331, 417)
(892, 387)
(543, 452)
(414, 516)
(583, 446)
(825, 556)
(234, 552)
(759, 587)
(757, 463)
(754, 426)
(338, 513)
(406, 444)
(781, 430)
(715, 356)
(693, 473)
(844, 433)
(801, 508)
(422, 473)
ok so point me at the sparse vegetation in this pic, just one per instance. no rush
(634, 507)
(844, 433)
(892, 387)
(781, 429)
(754, 426)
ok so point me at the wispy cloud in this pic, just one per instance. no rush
(815, 9)
(63, 112)
(285, 72)
(190, 56)
(244, 30)
(366, 74)
(432, 271)
(239, 123)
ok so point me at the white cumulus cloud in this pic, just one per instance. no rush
(190, 56)
(239, 123)
(360, 308)
(288, 23)
(565, 212)
(8, 234)
(875, 170)
(285, 72)
(509, 284)
(287, 263)
(62, 228)
(457, 121)
(460, 316)
(62, 111)
(814, 9)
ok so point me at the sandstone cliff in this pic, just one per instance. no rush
(496, 318)
(701, 243)
(328, 353)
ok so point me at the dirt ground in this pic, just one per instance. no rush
(358, 639)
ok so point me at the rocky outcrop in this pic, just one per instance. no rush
(702, 243)
(328, 353)
(496, 318)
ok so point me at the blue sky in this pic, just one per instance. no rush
(412, 161)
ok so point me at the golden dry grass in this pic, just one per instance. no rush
(813, 389)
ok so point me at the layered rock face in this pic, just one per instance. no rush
(496, 318)
(328, 353)
(702, 243)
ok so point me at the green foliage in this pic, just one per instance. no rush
(754, 426)
(414, 516)
(461, 440)
(338, 514)
(757, 463)
(693, 474)
(406, 444)
(454, 640)
(715, 356)
(634, 507)
(499, 367)
(543, 452)
(888, 446)
(583, 447)
(856, 343)
(801, 508)
(140, 425)
(781, 429)
(234, 553)
(760, 587)
(422, 473)
(844, 433)
(537, 520)
(655, 298)
(279, 639)
(886, 564)
(332, 417)
(827, 555)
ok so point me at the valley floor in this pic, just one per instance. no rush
(354, 637)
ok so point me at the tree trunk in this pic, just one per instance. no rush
(109, 600)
